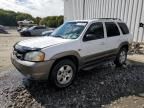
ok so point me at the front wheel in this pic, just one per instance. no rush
(121, 57)
(28, 34)
(63, 73)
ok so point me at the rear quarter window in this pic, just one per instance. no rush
(123, 28)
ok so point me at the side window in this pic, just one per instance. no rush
(112, 29)
(39, 27)
(95, 31)
(123, 28)
(36, 28)
(43, 28)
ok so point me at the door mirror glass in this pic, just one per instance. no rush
(90, 37)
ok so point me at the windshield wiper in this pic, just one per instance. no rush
(58, 36)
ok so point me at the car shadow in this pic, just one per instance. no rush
(93, 88)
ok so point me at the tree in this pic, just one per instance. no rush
(60, 20)
(52, 21)
(37, 20)
(7, 18)
(10, 18)
(23, 16)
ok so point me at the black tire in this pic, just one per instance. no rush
(25, 34)
(53, 76)
(119, 62)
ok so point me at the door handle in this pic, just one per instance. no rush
(102, 43)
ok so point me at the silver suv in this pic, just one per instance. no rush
(75, 45)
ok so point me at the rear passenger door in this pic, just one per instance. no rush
(113, 37)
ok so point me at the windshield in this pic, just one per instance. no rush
(46, 33)
(31, 28)
(69, 30)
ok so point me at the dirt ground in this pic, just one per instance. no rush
(124, 101)
(6, 44)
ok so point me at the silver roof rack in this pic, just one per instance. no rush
(108, 18)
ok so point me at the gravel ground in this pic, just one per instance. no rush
(105, 86)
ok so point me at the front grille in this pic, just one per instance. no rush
(19, 55)
(20, 51)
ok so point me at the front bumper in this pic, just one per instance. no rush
(34, 70)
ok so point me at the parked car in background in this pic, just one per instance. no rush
(75, 45)
(19, 29)
(33, 31)
(2, 29)
(47, 33)
(25, 22)
(24, 27)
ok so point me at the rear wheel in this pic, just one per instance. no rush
(63, 73)
(121, 57)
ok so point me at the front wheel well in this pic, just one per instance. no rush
(74, 59)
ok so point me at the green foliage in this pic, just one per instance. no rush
(10, 18)
(23, 16)
(7, 18)
(52, 21)
(37, 20)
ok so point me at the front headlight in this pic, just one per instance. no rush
(34, 56)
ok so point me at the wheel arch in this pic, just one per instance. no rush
(124, 44)
(71, 55)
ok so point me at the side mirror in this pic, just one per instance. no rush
(89, 37)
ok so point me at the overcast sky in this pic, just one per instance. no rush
(40, 8)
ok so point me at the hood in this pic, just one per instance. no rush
(42, 42)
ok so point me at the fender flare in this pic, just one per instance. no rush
(65, 54)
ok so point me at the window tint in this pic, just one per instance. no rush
(124, 28)
(36, 28)
(112, 29)
(96, 31)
